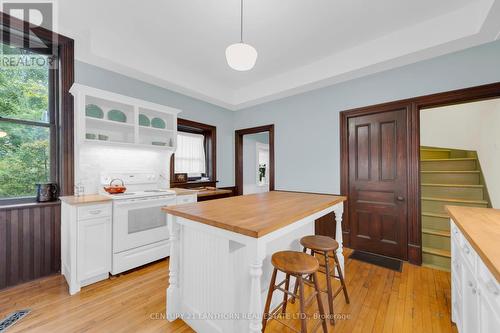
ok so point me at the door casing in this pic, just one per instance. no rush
(414, 105)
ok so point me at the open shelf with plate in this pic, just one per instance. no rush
(103, 117)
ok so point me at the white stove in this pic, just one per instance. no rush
(140, 233)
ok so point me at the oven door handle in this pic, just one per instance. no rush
(146, 201)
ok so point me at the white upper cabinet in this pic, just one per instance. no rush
(103, 117)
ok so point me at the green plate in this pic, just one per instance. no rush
(158, 123)
(144, 120)
(92, 110)
(117, 115)
(158, 143)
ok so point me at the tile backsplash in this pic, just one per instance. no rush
(94, 160)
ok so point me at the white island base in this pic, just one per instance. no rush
(219, 278)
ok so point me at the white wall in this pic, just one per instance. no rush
(250, 162)
(471, 126)
(455, 126)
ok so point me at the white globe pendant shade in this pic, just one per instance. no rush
(241, 56)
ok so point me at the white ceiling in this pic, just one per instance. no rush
(302, 44)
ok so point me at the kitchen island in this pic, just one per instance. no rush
(220, 254)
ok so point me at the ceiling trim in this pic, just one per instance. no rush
(479, 23)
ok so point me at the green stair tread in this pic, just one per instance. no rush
(438, 252)
(439, 268)
(479, 202)
(448, 159)
(436, 149)
(452, 185)
(444, 216)
(436, 232)
(451, 171)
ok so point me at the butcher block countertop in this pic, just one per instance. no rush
(481, 227)
(84, 199)
(255, 215)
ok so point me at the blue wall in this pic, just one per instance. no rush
(192, 109)
(307, 125)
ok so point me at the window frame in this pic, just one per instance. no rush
(209, 133)
(61, 108)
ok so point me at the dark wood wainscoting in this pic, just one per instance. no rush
(30, 245)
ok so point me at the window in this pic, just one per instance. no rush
(27, 124)
(190, 154)
(195, 155)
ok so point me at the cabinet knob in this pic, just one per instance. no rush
(400, 198)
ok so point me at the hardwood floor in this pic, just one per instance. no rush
(416, 300)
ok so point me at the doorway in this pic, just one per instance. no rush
(459, 166)
(254, 159)
(411, 242)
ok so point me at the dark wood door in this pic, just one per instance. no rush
(378, 183)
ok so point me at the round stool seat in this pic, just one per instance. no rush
(319, 243)
(295, 263)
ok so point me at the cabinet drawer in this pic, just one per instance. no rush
(94, 211)
(456, 272)
(468, 253)
(184, 199)
(455, 232)
(489, 284)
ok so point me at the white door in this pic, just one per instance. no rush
(94, 247)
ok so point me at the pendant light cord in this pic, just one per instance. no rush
(241, 22)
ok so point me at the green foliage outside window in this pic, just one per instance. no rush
(24, 148)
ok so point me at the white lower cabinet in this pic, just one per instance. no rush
(475, 291)
(85, 244)
(94, 248)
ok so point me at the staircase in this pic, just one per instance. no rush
(448, 177)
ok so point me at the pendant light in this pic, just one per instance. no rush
(241, 56)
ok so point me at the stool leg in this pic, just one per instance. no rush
(341, 277)
(320, 303)
(303, 324)
(285, 295)
(272, 285)
(329, 286)
(295, 289)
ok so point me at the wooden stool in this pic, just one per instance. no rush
(322, 245)
(295, 264)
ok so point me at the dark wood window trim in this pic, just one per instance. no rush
(62, 116)
(210, 143)
(414, 105)
(238, 137)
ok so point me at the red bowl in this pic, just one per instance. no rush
(115, 189)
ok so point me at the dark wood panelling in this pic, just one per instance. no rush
(30, 232)
(238, 154)
(29, 243)
(413, 105)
